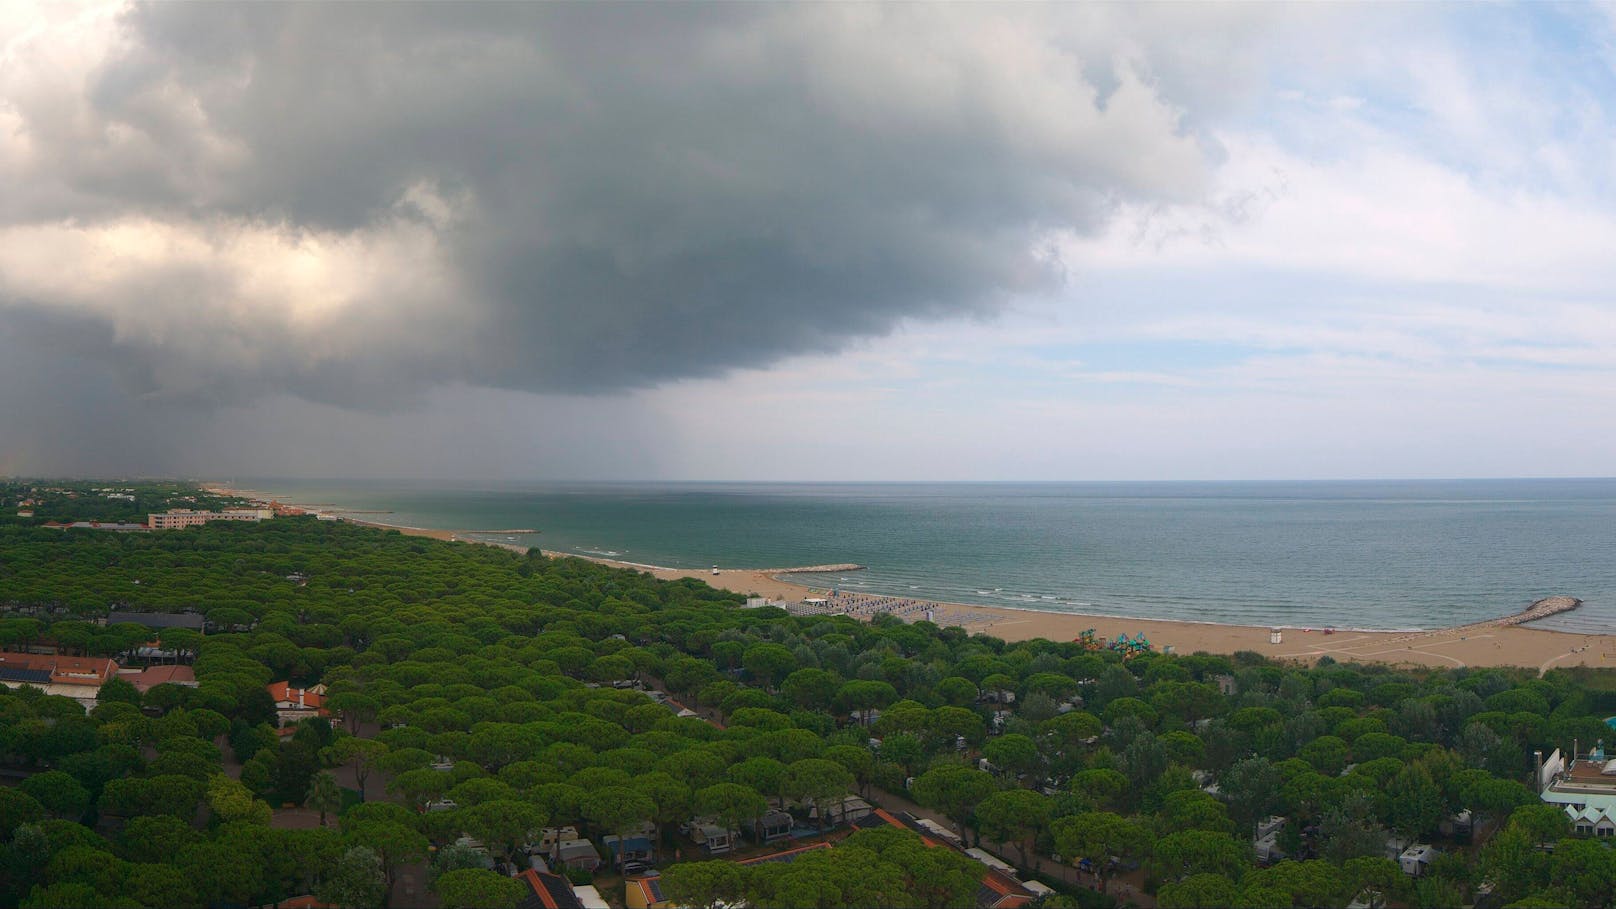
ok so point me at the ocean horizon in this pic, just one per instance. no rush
(1371, 554)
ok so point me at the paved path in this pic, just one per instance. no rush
(1572, 652)
(299, 819)
(1123, 888)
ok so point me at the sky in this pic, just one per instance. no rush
(808, 242)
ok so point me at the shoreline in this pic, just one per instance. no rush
(1491, 642)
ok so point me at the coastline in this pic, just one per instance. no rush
(1489, 643)
(1500, 641)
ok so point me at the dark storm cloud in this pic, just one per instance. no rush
(562, 198)
(66, 407)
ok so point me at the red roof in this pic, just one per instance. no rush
(64, 670)
(149, 678)
(1011, 893)
(785, 856)
(884, 815)
(709, 721)
(550, 891)
(284, 693)
(1005, 892)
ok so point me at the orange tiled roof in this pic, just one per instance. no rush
(64, 670)
(151, 677)
(283, 692)
(551, 891)
(1011, 895)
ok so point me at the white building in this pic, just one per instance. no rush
(294, 705)
(176, 518)
(1585, 788)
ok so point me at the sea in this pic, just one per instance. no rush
(1383, 554)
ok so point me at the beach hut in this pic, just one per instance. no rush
(1274, 637)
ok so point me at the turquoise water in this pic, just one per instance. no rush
(1360, 554)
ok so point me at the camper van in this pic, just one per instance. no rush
(712, 839)
(773, 825)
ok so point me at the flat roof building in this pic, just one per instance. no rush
(177, 518)
(159, 620)
(1585, 788)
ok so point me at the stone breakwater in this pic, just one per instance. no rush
(1542, 609)
(814, 569)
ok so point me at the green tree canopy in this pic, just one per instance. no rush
(475, 888)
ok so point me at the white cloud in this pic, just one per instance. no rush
(1396, 241)
(1377, 213)
(1380, 305)
(236, 300)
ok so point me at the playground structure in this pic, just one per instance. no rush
(1128, 647)
(1132, 647)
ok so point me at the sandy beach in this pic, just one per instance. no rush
(1476, 644)
(1485, 643)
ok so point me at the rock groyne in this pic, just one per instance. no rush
(1542, 609)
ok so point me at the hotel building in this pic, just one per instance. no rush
(177, 518)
